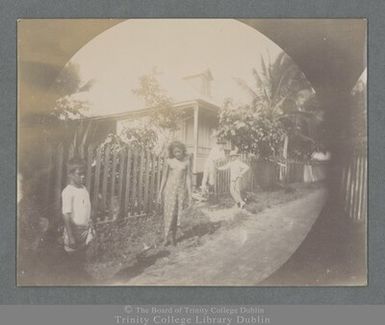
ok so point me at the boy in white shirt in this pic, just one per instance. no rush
(237, 170)
(76, 210)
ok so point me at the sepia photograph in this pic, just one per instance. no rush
(192, 152)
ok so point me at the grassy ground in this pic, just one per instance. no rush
(201, 223)
(235, 247)
(120, 255)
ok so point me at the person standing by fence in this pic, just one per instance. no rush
(237, 169)
(76, 210)
(216, 154)
(320, 158)
(175, 188)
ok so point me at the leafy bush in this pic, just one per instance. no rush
(252, 129)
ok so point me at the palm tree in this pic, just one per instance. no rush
(280, 88)
(69, 111)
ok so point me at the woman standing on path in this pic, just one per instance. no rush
(175, 188)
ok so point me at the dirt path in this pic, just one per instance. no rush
(245, 251)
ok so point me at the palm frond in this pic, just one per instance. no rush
(265, 70)
(82, 144)
(259, 83)
(87, 86)
(246, 87)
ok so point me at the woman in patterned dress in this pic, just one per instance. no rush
(175, 188)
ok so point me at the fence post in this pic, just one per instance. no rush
(364, 196)
(347, 186)
(105, 177)
(354, 196)
(89, 168)
(360, 194)
(216, 181)
(96, 183)
(113, 178)
(146, 181)
(352, 188)
(121, 200)
(152, 185)
(134, 181)
(140, 183)
(127, 176)
(59, 179)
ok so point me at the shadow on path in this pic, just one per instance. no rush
(143, 261)
(150, 257)
(200, 230)
(333, 253)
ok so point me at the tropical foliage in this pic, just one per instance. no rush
(64, 124)
(164, 115)
(282, 105)
(140, 137)
(164, 119)
(251, 129)
(67, 86)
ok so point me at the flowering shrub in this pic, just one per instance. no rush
(252, 129)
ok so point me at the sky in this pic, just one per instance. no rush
(118, 57)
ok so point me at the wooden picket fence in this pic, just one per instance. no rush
(292, 172)
(265, 174)
(122, 182)
(262, 174)
(354, 187)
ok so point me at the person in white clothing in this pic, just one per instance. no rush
(216, 154)
(320, 159)
(76, 210)
(237, 169)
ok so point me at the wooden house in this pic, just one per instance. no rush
(197, 127)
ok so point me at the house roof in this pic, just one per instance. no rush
(188, 104)
(178, 89)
